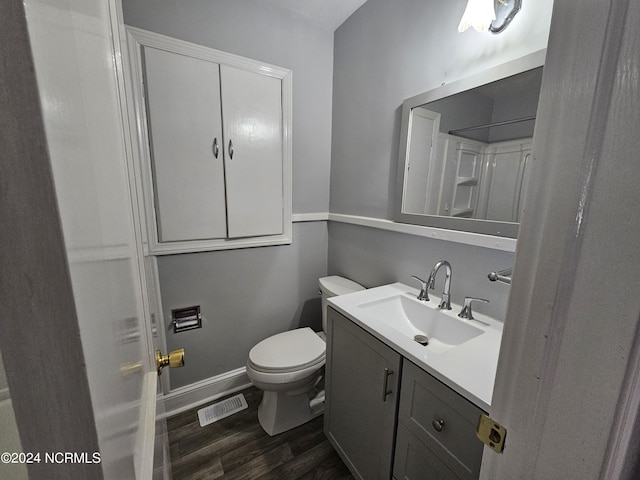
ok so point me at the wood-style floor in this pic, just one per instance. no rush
(236, 447)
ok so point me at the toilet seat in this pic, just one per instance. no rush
(288, 352)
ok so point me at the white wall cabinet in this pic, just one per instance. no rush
(214, 146)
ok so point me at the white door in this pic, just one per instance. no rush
(185, 130)
(422, 154)
(76, 51)
(252, 125)
(567, 381)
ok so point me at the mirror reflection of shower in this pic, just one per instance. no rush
(468, 154)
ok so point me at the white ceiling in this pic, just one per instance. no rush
(329, 14)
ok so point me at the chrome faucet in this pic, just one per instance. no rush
(445, 304)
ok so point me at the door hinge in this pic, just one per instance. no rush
(491, 433)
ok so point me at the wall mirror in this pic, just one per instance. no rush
(465, 149)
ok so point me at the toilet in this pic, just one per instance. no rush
(288, 367)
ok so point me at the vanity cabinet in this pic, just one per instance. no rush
(405, 422)
(361, 398)
(215, 146)
(436, 430)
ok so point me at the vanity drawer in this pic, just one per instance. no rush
(442, 420)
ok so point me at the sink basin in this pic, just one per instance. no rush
(414, 318)
(463, 354)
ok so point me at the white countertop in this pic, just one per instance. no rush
(469, 368)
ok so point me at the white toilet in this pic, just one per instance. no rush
(289, 368)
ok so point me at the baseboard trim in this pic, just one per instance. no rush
(196, 394)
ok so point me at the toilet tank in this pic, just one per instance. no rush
(333, 286)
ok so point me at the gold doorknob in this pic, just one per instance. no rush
(175, 359)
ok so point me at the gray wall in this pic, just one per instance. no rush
(387, 52)
(466, 109)
(377, 257)
(247, 295)
(384, 53)
(517, 105)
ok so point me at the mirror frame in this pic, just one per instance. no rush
(487, 227)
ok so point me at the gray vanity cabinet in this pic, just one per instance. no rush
(361, 398)
(384, 412)
(436, 436)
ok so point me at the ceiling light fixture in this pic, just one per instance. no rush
(489, 15)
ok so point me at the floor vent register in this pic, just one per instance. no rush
(221, 410)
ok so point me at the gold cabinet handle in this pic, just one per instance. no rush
(175, 359)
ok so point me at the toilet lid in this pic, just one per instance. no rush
(287, 351)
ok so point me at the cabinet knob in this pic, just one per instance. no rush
(230, 150)
(438, 424)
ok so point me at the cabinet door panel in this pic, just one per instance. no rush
(358, 421)
(183, 111)
(252, 112)
(425, 400)
(414, 460)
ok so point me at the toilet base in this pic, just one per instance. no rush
(279, 412)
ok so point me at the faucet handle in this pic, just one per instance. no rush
(422, 296)
(466, 309)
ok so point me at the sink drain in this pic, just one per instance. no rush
(421, 339)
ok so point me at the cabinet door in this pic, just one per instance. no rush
(415, 461)
(359, 411)
(252, 113)
(183, 112)
(440, 423)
